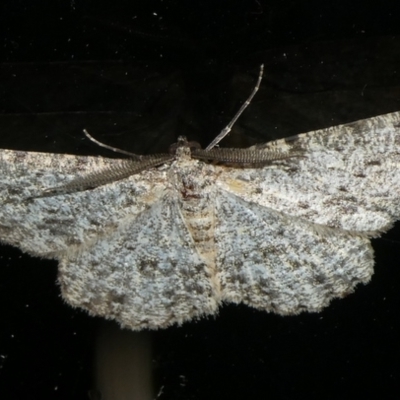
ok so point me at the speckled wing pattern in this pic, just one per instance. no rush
(172, 242)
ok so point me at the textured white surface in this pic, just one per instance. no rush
(172, 243)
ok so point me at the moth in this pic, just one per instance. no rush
(151, 241)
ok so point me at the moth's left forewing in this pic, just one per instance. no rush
(49, 226)
(348, 176)
(30, 173)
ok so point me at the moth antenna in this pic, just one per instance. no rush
(228, 128)
(115, 149)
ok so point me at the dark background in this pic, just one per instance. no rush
(137, 75)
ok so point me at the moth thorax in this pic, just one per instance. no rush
(183, 152)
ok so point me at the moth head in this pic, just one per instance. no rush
(183, 147)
